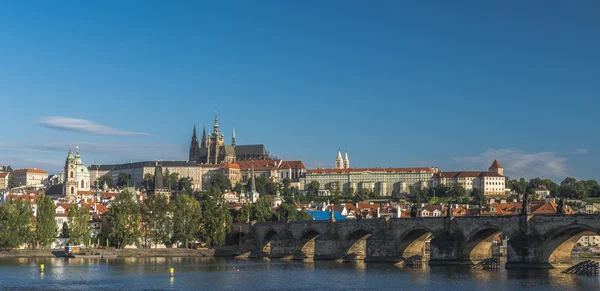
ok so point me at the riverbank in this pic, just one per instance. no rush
(204, 252)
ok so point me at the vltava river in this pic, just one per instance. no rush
(215, 274)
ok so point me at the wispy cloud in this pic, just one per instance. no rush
(82, 125)
(518, 163)
(579, 152)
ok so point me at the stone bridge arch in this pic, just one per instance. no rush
(306, 244)
(411, 242)
(558, 244)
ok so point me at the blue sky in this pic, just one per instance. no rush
(452, 84)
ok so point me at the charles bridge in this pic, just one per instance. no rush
(541, 241)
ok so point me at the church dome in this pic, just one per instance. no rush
(81, 169)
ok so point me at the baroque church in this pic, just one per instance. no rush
(213, 150)
(77, 177)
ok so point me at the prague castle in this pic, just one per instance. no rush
(213, 150)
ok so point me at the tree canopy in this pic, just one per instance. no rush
(124, 218)
(45, 228)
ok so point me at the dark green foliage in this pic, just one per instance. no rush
(105, 179)
(219, 181)
(243, 215)
(65, 230)
(124, 218)
(15, 224)
(79, 219)
(261, 210)
(124, 180)
(45, 228)
(156, 221)
(187, 215)
(216, 218)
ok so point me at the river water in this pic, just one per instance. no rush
(227, 274)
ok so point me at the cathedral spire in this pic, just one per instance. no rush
(233, 137)
(253, 181)
(203, 145)
(194, 147)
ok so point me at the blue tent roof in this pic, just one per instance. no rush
(324, 215)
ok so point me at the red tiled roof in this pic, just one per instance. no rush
(358, 170)
(471, 174)
(3, 175)
(32, 170)
(230, 166)
(292, 165)
(495, 164)
(259, 165)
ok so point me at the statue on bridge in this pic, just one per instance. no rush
(525, 204)
(413, 211)
(561, 206)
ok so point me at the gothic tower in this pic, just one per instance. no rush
(339, 164)
(346, 161)
(194, 147)
(203, 145)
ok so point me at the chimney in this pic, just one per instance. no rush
(492, 200)
(467, 206)
(398, 212)
(356, 205)
(515, 200)
(378, 212)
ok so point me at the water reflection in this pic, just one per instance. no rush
(214, 273)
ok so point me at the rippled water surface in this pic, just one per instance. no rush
(214, 273)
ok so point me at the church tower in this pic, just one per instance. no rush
(496, 168)
(339, 163)
(233, 138)
(346, 161)
(70, 185)
(194, 147)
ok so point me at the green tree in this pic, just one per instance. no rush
(187, 215)
(173, 181)
(286, 187)
(243, 215)
(219, 181)
(124, 180)
(79, 219)
(12, 182)
(477, 195)
(123, 217)
(45, 228)
(261, 210)
(312, 190)
(148, 181)
(105, 179)
(287, 212)
(157, 223)
(185, 184)
(65, 230)
(361, 195)
(348, 193)
(15, 224)
(238, 187)
(458, 191)
(216, 219)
